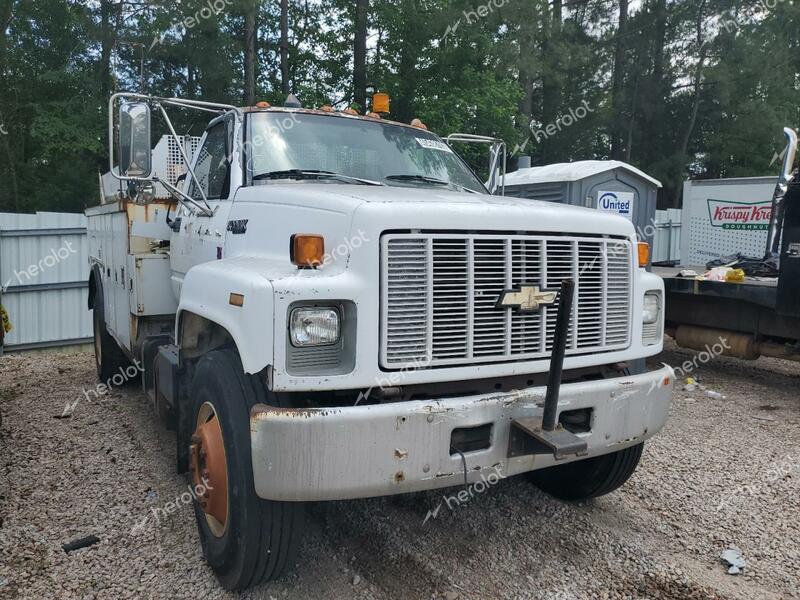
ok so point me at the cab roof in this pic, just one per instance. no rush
(327, 113)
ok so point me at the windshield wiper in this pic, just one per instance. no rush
(312, 174)
(426, 179)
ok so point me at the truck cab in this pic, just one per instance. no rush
(334, 306)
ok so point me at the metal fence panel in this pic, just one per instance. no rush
(44, 269)
(667, 240)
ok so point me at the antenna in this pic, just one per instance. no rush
(141, 61)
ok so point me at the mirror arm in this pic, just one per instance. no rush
(183, 154)
(503, 174)
(790, 152)
(496, 144)
(185, 199)
(171, 102)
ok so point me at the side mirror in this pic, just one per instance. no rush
(135, 158)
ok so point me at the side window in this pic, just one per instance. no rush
(212, 167)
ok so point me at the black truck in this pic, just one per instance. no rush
(759, 316)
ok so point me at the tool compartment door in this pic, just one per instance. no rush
(151, 292)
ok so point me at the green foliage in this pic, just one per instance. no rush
(706, 85)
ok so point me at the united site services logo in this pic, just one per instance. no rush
(613, 202)
(739, 215)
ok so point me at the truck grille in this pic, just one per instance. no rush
(439, 295)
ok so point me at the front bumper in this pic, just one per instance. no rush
(362, 451)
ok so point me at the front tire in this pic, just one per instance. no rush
(591, 477)
(246, 540)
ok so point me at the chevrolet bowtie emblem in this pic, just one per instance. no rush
(528, 298)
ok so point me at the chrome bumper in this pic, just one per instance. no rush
(376, 450)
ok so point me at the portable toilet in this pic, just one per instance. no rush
(608, 185)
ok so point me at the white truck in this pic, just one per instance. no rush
(334, 306)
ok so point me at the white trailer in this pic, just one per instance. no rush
(335, 307)
(721, 217)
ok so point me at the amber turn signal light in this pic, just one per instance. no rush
(306, 250)
(643, 249)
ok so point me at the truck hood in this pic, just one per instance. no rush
(397, 207)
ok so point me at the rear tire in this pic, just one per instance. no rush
(109, 359)
(259, 538)
(589, 478)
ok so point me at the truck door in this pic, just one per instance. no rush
(197, 238)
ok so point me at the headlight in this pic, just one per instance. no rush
(650, 309)
(314, 326)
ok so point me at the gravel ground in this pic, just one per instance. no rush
(723, 472)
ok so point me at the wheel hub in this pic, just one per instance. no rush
(209, 469)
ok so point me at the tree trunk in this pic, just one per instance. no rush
(285, 47)
(618, 82)
(378, 53)
(550, 58)
(190, 81)
(250, 34)
(698, 76)
(106, 47)
(655, 91)
(12, 171)
(631, 123)
(360, 55)
(660, 18)
(525, 65)
(406, 69)
(6, 12)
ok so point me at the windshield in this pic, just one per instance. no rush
(291, 146)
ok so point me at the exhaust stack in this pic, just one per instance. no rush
(778, 206)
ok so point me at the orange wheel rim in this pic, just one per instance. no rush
(210, 469)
